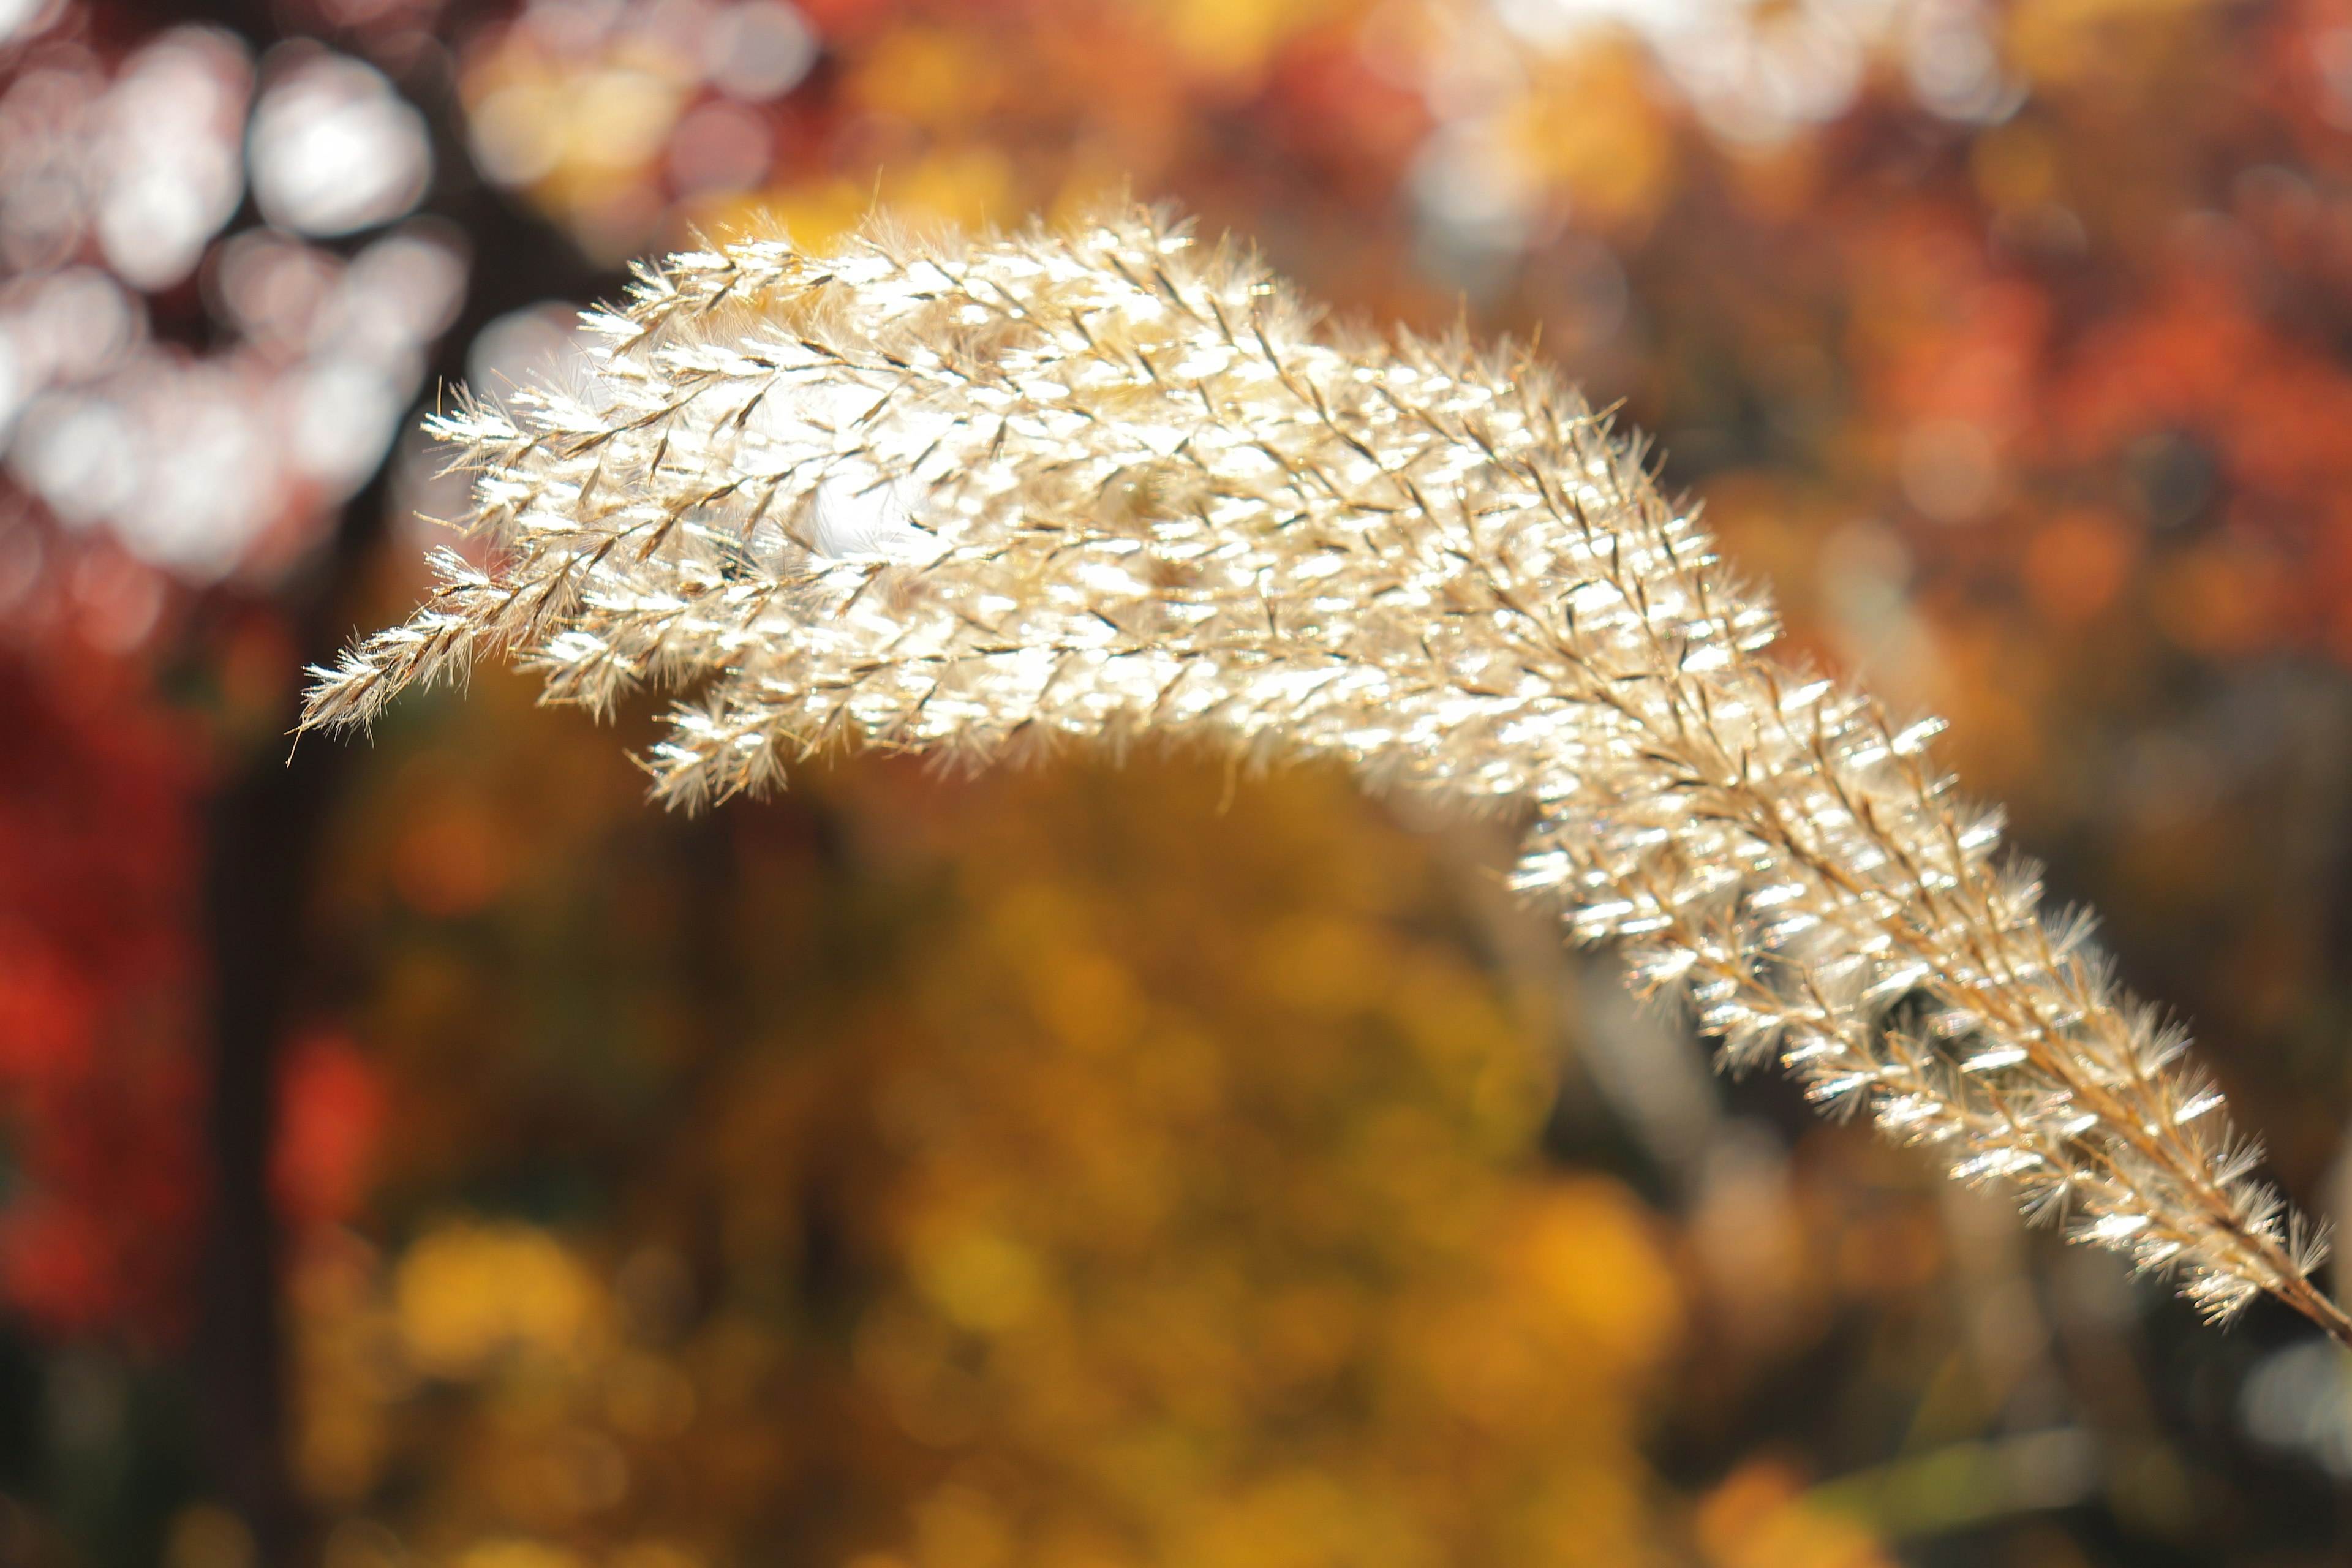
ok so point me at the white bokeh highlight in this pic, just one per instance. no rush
(334, 150)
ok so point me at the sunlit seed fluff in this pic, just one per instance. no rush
(1103, 484)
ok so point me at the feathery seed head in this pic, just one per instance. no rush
(962, 496)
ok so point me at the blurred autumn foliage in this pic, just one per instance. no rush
(424, 1153)
(1095, 1177)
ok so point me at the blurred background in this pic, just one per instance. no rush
(423, 1152)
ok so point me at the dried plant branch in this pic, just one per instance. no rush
(959, 496)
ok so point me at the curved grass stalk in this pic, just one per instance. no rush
(962, 496)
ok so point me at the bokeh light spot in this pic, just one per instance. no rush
(168, 156)
(758, 50)
(721, 147)
(334, 149)
(1949, 471)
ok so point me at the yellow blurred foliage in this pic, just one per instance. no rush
(2061, 41)
(1233, 38)
(1591, 124)
(516, 1554)
(927, 75)
(1759, 1518)
(1182, 1206)
(466, 1293)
